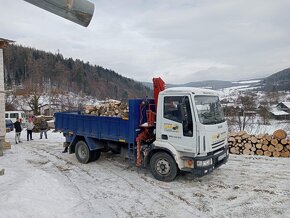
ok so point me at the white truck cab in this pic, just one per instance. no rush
(190, 126)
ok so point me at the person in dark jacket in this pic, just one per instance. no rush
(18, 129)
(43, 128)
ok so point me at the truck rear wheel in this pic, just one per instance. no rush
(95, 155)
(163, 167)
(82, 152)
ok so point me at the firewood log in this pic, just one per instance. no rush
(258, 145)
(284, 141)
(268, 137)
(248, 146)
(267, 153)
(276, 153)
(239, 139)
(274, 141)
(285, 154)
(265, 142)
(231, 139)
(259, 152)
(242, 133)
(246, 151)
(271, 148)
(233, 134)
(245, 136)
(260, 136)
(265, 147)
(253, 139)
(280, 134)
(279, 147)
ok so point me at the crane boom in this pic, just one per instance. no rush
(158, 86)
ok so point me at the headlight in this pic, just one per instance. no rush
(204, 163)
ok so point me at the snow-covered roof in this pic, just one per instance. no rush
(277, 112)
(287, 104)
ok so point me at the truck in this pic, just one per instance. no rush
(180, 129)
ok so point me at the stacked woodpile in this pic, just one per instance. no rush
(276, 145)
(37, 121)
(110, 109)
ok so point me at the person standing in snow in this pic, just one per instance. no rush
(43, 128)
(30, 127)
(18, 129)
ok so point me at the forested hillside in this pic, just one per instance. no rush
(279, 81)
(27, 67)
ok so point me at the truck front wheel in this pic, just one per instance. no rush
(163, 167)
(82, 152)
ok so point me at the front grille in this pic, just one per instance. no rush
(217, 144)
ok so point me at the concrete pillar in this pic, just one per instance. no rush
(2, 104)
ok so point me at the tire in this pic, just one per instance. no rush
(163, 167)
(82, 152)
(95, 155)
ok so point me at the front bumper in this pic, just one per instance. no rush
(217, 161)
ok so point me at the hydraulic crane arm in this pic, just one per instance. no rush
(158, 86)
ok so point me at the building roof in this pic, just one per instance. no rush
(4, 42)
(196, 91)
(287, 104)
(277, 112)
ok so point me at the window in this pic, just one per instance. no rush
(209, 109)
(14, 115)
(6, 116)
(172, 108)
(177, 108)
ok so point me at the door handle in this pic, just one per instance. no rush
(163, 136)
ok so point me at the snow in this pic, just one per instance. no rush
(40, 181)
(247, 81)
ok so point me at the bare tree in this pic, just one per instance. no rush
(241, 116)
(34, 91)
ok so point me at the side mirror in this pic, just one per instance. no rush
(78, 11)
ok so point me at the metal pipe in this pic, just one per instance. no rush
(78, 11)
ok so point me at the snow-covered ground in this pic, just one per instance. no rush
(40, 181)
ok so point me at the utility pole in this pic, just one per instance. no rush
(3, 43)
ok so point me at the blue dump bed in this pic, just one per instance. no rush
(102, 127)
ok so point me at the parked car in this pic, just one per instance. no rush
(9, 125)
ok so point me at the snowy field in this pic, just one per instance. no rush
(40, 181)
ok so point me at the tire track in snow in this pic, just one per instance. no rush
(154, 192)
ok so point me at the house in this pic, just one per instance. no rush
(49, 110)
(284, 106)
(278, 114)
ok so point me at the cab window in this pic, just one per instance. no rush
(177, 108)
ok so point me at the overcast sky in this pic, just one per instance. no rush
(181, 40)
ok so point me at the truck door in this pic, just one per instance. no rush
(178, 126)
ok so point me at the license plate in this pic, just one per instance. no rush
(222, 156)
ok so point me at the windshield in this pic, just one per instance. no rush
(209, 109)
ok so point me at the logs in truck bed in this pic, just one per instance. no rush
(110, 108)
